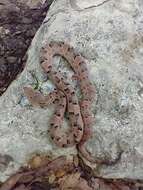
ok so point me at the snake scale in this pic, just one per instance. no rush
(65, 98)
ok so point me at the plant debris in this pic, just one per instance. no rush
(62, 174)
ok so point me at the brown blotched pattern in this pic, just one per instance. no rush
(65, 97)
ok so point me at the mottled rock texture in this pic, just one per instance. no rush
(109, 35)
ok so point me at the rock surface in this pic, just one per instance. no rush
(109, 34)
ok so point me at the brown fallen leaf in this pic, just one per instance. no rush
(73, 181)
(51, 178)
(83, 185)
(26, 179)
(102, 184)
(22, 187)
(60, 173)
(38, 161)
(11, 182)
(54, 166)
(28, 176)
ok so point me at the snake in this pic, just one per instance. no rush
(64, 97)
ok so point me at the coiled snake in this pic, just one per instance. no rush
(64, 96)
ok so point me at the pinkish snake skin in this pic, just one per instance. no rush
(79, 112)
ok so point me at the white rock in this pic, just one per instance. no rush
(109, 35)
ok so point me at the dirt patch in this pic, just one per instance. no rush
(18, 25)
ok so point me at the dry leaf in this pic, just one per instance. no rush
(51, 178)
(60, 173)
(10, 183)
(74, 181)
(22, 187)
(38, 161)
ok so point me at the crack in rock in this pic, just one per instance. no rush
(74, 5)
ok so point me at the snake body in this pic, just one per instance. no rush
(65, 97)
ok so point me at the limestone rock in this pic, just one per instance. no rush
(109, 35)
